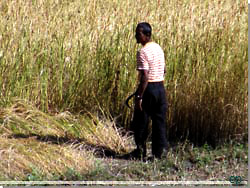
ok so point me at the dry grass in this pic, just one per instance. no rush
(61, 151)
(29, 159)
(38, 146)
(22, 119)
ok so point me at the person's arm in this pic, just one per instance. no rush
(141, 88)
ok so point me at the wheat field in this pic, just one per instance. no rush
(79, 56)
(66, 68)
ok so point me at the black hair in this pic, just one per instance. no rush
(146, 28)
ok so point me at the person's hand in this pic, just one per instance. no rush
(138, 104)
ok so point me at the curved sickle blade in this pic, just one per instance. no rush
(128, 99)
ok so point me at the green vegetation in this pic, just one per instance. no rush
(66, 68)
(184, 162)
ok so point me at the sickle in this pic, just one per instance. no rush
(128, 99)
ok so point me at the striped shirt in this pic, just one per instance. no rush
(151, 57)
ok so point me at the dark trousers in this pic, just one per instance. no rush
(154, 105)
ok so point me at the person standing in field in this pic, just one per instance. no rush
(150, 97)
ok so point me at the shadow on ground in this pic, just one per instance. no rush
(99, 151)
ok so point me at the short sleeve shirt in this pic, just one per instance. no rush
(151, 57)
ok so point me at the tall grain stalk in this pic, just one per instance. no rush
(80, 55)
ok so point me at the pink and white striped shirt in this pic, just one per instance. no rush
(151, 57)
